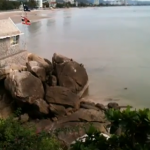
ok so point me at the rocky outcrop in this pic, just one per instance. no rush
(45, 88)
(4, 71)
(70, 74)
(85, 115)
(37, 69)
(50, 96)
(74, 125)
(43, 62)
(77, 129)
(40, 87)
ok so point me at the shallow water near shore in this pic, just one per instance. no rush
(112, 42)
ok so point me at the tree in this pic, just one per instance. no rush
(59, 5)
(32, 3)
(8, 5)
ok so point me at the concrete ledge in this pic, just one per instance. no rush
(17, 58)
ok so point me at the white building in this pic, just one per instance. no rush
(76, 4)
(96, 2)
(40, 3)
(52, 3)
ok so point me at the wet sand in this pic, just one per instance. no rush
(33, 16)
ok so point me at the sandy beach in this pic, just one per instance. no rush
(33, 16)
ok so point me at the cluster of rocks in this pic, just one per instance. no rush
(50, 95)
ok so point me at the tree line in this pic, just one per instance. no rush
(10, 5)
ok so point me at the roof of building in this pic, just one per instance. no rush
(8, 29)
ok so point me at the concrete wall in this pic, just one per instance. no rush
(6, 49)
(18, 58)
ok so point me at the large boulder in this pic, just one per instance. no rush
(76, 123)
(88, 104)
(87, 115)
(70, 74)
(37, 69)
(75, 130)
(62, 96)
(4, 71)
(43, 62)
(24, 86)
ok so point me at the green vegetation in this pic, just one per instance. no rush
(65, 5)
(10, 5)
(45, 5)
(134, 135)
(15, 136)
(31, 4)
(59, 5)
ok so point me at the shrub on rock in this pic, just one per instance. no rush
(135, 131)
(14, 136)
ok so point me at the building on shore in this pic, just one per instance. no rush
(9, 37)
(9, 43)
(52, 3)
(76, 4)
(40, 3)
(94, 2)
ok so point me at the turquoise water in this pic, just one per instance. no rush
(113, 43)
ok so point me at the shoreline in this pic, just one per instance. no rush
(33, 16)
